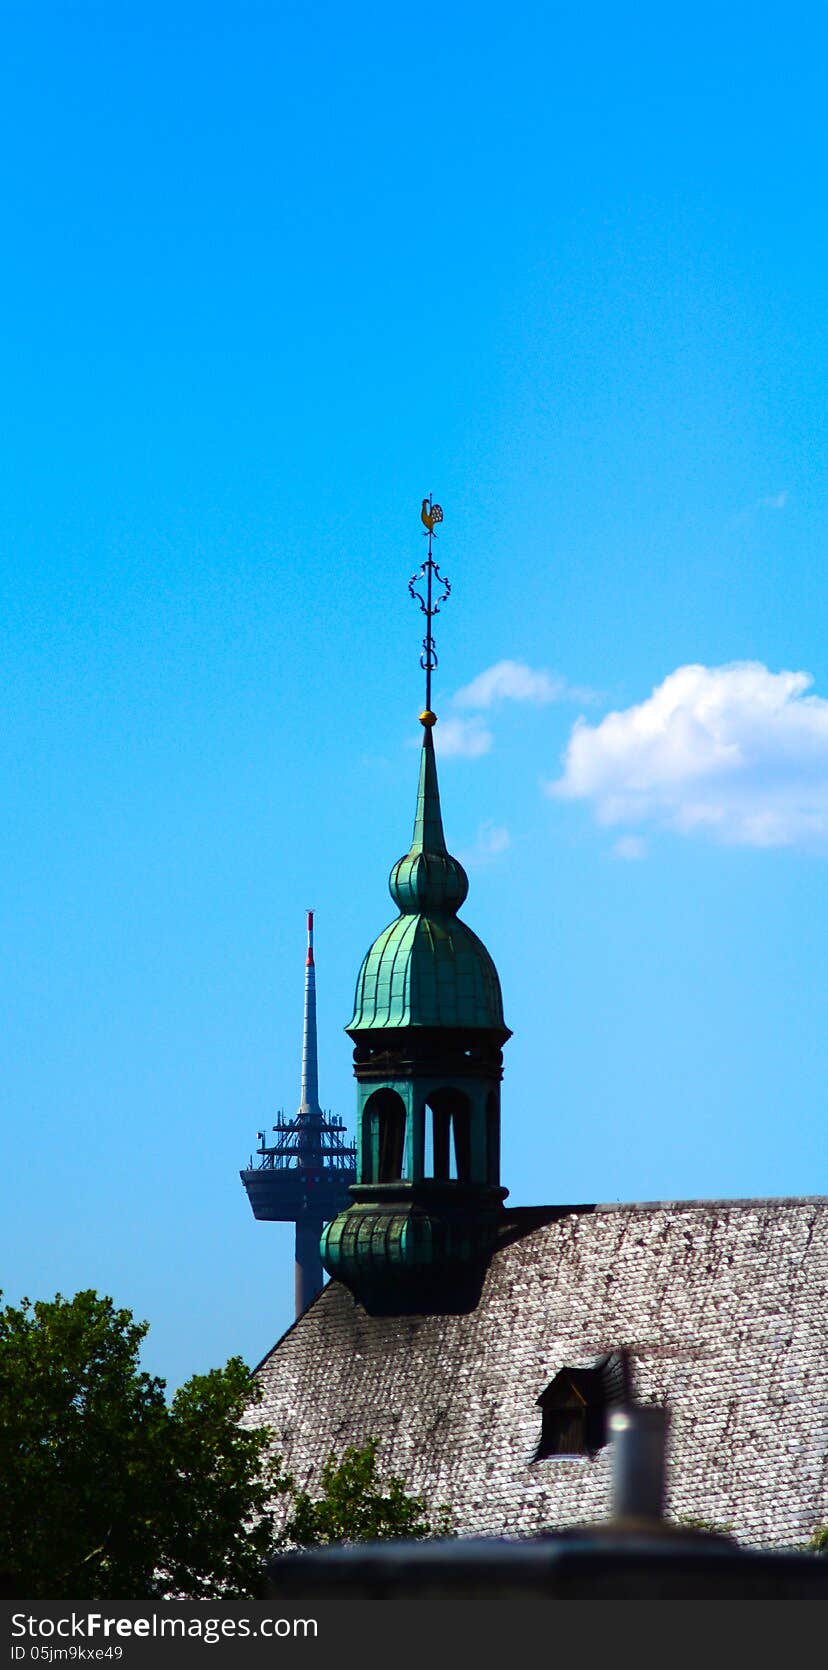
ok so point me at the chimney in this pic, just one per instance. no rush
(639, 1440)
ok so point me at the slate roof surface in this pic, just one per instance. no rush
(722, 1304)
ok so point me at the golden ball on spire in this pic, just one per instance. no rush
(428, 718)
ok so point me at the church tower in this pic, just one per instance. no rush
(428, 1034)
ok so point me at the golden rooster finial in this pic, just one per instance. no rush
(430, 515)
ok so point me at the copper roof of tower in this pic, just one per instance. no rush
(428, 968)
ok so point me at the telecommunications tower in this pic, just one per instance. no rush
(303, 1176)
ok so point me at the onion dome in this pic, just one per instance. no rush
(427, 968)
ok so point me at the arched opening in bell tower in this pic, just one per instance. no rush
(448, 1142)
(383, 1138)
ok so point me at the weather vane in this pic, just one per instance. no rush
(437, 590)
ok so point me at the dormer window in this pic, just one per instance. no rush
(575, 1405)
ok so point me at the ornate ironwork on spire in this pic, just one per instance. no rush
(437, 592)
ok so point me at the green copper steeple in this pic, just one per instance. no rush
(428, 968)
(428, 879)
(428, 1032)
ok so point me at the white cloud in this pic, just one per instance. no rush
(771, 501)
(467, 737)
(492, 839)
(736, 753)
(514, 681)
(630, 848)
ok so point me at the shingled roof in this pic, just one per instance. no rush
(722, 1305)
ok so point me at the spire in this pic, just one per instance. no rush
(309, 1102)
(428, 881)
(428, 822)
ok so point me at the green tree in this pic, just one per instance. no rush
(355, 1505)
(106, 1490)
(819, 1541)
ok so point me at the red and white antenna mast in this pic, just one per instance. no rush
(309, 1099)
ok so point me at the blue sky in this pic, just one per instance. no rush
(269, 275)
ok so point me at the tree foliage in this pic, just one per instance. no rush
(107, 1491)
(355, 1505)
